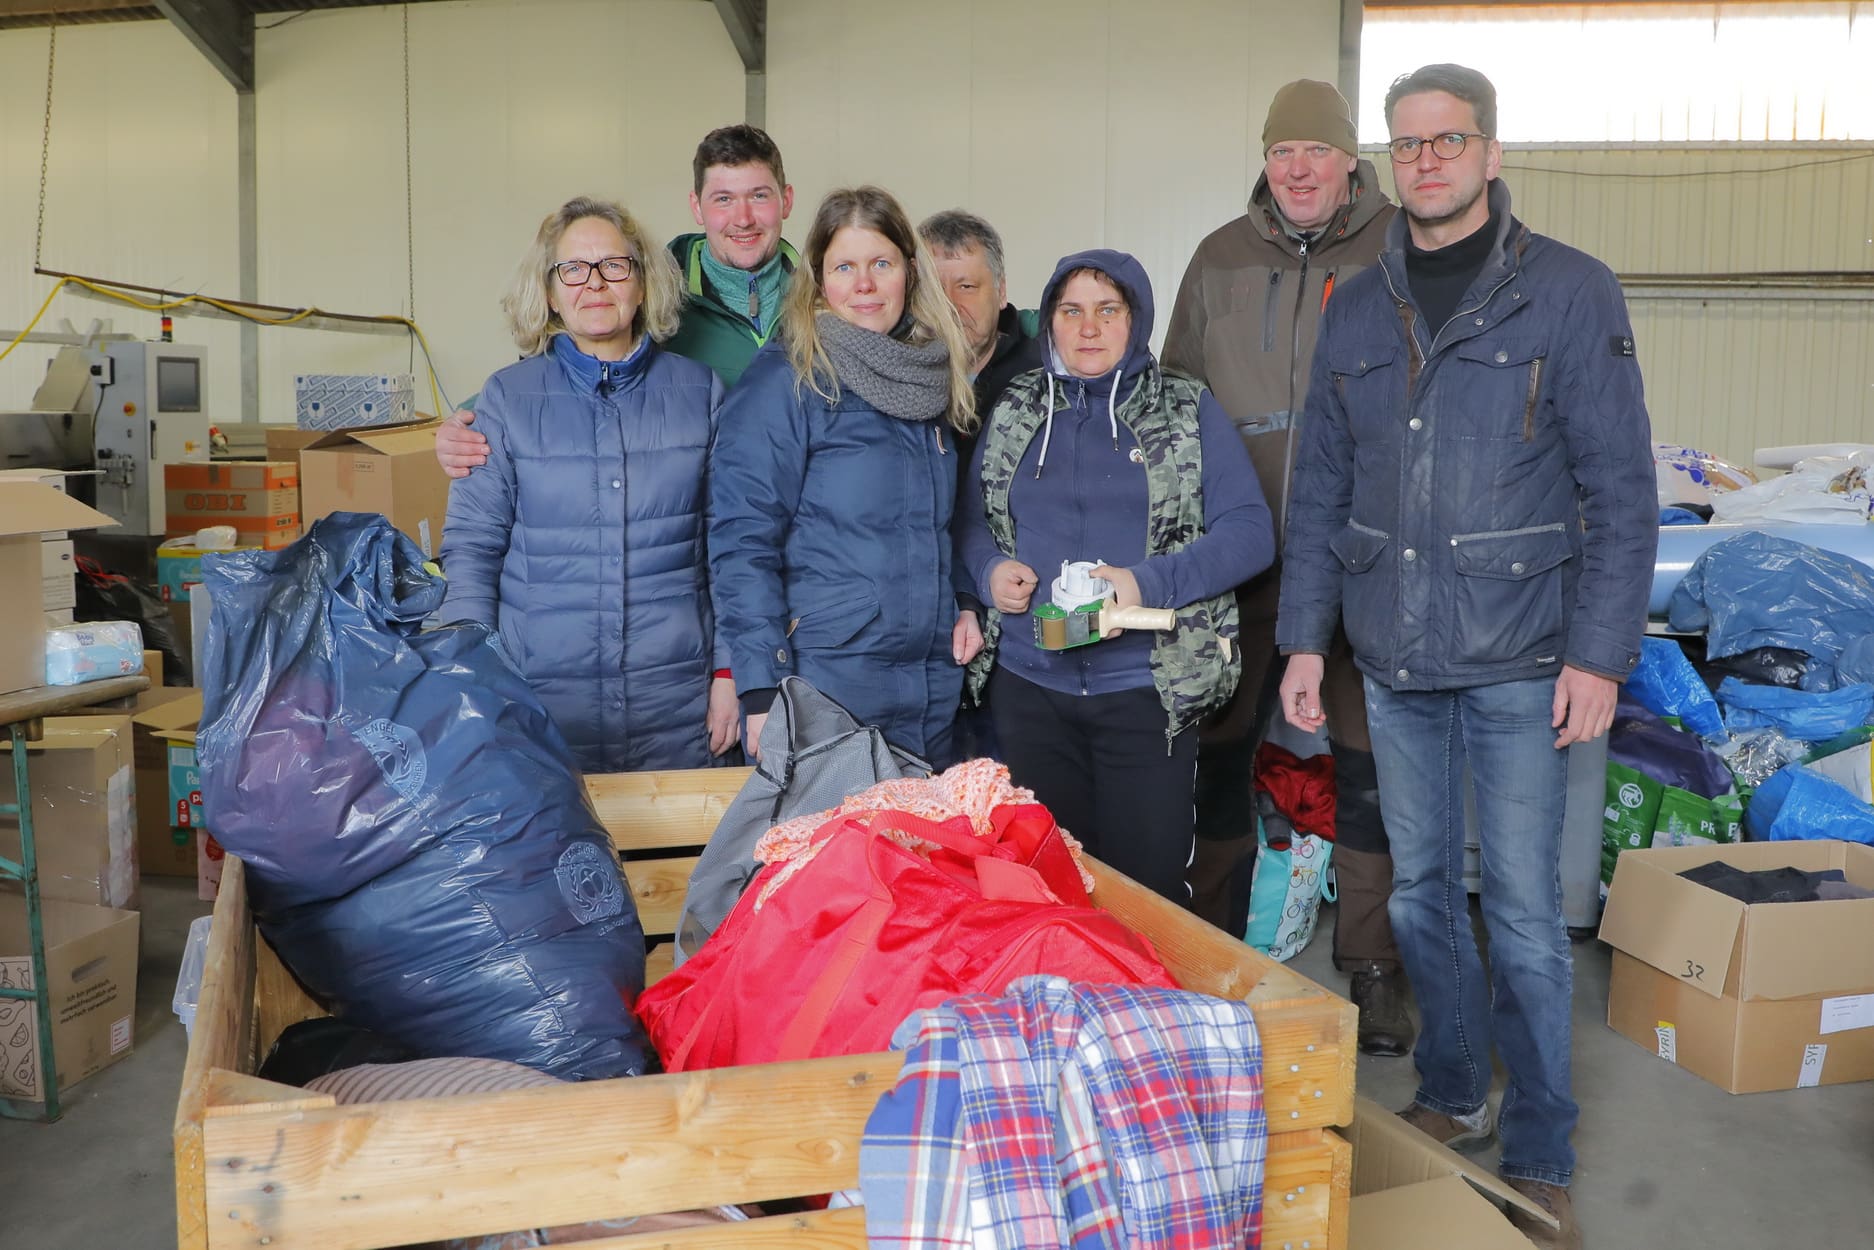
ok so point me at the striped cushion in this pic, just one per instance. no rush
(427, 1078)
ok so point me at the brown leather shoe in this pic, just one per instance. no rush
(1470, 1134)
(1385, 1025)
(1555, 1200)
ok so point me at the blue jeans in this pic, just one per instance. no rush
(1421, 742)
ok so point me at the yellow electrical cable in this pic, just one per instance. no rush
(21, 336)
(233, 311)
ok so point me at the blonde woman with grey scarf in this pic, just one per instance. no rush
(832, 481)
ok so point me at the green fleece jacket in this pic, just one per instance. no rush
(712, 332)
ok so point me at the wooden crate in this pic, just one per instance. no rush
(266, 1165)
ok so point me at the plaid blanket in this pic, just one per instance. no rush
(1092, 1117)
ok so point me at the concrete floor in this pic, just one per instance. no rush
(1666, 1160)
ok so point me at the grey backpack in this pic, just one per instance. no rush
(813, 754)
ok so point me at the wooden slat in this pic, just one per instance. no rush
(843, 1229)
(278, 1000)
(220, 1040)
(41, 701)
(661, 810)
(385, 1174)
(1305, 1189)
(657, 886)
(231, 1093)
(658, 964)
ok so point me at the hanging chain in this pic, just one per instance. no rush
(45, 138)
(409, 182)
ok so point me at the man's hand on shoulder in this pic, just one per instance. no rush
(458, 448)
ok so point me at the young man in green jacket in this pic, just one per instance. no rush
(735, 270)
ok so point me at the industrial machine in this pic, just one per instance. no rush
(123, 408)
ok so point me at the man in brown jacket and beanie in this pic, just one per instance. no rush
(1244, 324)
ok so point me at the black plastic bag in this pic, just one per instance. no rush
(420, 849)
(107, 596)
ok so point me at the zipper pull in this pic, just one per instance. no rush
(938, 432)
(754, 300)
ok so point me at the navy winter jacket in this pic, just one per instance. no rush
(1089, 502)
(581, 542)
(830, 550)
(1478, 502)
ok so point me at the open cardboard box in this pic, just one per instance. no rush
(29, 508)
(1749, 997)
(387, 469)
(1410, 1193)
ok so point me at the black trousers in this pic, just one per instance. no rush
(1100, 764)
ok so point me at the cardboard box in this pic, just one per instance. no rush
(388, 470)
(179, 569)
(1751, 998)
(173, 726)
(259, 498)
(55, 479)
(58, 572)
(233, 475)
(209, 858)
(336, 401)
(162, 849)
(91, 961)
(1410, 1193)
(285, 442)
(27, 509)
(83, 783)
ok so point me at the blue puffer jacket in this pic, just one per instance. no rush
(830, 549)
(582, 542)
(1479, 505)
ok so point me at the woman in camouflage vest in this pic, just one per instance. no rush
(1103, 456)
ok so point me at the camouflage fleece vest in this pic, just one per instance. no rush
(1194, 667)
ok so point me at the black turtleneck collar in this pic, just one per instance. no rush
(1439, 277)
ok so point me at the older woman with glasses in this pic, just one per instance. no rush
(582, 540)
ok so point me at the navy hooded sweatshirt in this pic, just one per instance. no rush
(1088, 501)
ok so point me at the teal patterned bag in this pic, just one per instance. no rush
(1286, 892)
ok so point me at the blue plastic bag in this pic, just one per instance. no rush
(420, 849)
(1857, 660)
(1806, 806)
(1757, 590)
(1813, 716)
(1666, 684)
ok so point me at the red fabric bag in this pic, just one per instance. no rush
(870, 931)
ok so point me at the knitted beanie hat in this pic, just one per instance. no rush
(1306, 109)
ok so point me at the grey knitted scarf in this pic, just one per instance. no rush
(909, 381)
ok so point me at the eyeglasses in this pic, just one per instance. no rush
(612, 269)
(1444, 147)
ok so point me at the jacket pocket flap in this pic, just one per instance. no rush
(1501, 353)
(1354, 364)
(1513, 556)
(833, 624)
(1358, 547)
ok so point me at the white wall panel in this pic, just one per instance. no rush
(1732, 375)
(141, 188)
(516, 106)
(1067, 124)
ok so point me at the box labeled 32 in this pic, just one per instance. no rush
(1751, 997)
